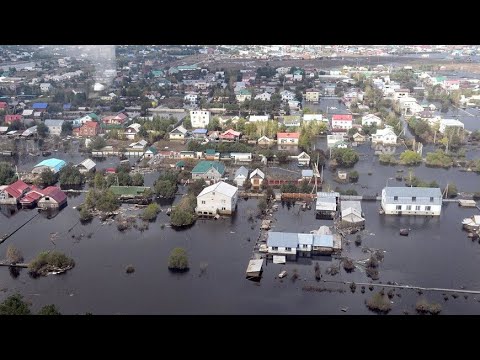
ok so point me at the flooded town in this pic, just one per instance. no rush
(240, 179)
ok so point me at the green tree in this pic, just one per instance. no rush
(97, 143)
(181, 217)
(196, 187)
(345, 157)
(137, 179)
(107, 201)
(409, 157)
(14, 305)
(7, 173)
(49, 310)
(47, 178)
(214, 124)
(42, 130)
(165, 189)
(150, 212)
(70, 175)
(99, 181)
(353, 176)
(187, 122)
(282, 157)
(262, 205)
(178, 260)
(67, 128)
(452, 190)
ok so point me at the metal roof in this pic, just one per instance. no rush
(255, 265)
(53, 163)
(305, 239)
(356, 205)
(307, 173)
(324, 194)
(257, 172)
(405, 195)
(241, 171)
(281, 239)
(203, 166)
(87, 164)
(51, 122)
(323, 240)
(220, 187)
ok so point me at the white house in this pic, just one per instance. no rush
(313, 117)
(334, 139)
(191, 98)
(399, 93)
(385, 136)
(54, 126)
(265, 141)
(255, 118)
(87, 165)
(412, 201)
(256, 178)
(217, 198)
(450, 123)
(303, 159)
(312, 95)
(241, 175)
(282, 243)
(178, 133)
(265, 96)
(132, 130)
(45, 87)
(370, 119)
(287, 95)
(294, 105)
(241, 157)
(288, 138)
(199, 118)
(340, 121)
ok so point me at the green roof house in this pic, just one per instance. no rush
(211, 171)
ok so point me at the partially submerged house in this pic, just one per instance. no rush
(351, 214)
(87, 165)
(292, 245)
(241, 175)
(210, 171)
(53, 198)
(326, 206)
(412, 201)
(150, 152)
(303, 159)
(256, 178)
(219, 198)
(55, 165)
(12, 194)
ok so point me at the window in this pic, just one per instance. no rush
(399, 207)
(288, 249)
(203, 201)
(395, 198)
(417, 207)
(428, 208)
(305, 246)
(414, 198)
(274, 247)
(431, 199)
(409, 207)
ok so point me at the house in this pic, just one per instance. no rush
(191, 98)
(265, 96)
(118, 119)
(12, 194)
(303, 159)
(265, 141)
(256, 178)
(255, 118)
(312, 117)
(281, 243)
(9, 119)
(211, 154)
(40, 106)
(241, 157)
(288, 138)
(139, 145)
(179, 133)
(27, 113)
(307, 174)
(199, 118)
(30, 199)
(323, 244)
(294, 104)
(89, 128)
(30, 131)
(45, 87)
(287, 95)
(333, 139)
(230, 134)
(371, 119)
(329, 90)
(359, 138)
(209, 171)
(243, 95)
(53, 198)
(351, 214)
(400, 93)
(86, 166)
(312, 95)
(54, 126)
(384, 136)
(218, 198)
(344, 122)
(327, 204)
(199, 133)
(55, 165)
(412, 201)
(241, 175)
(150, 152)
(291, 120)
(450, 123)
(132, 130)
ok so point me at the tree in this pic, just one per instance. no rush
(107, 201)
(452, 190)
(42, 130)
(67, 128)
(353, 176)
(14, 305)
(178, 260)
(137, 179)
(165, 188)
(99, 181)
(70, 175)
(196, 187)
(282, 157)
(409, 157)
(345, 157)
(49, 310)
(262, 205)
(97, 143)
(47, 178)
(150, 212)
(187, 122)
(14, 255)
(214, 124)
(7, 173)
(181, 217)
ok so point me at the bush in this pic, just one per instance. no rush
(358, 240)
(178, 260)
(14, 305)
(409, 157)
(14, 255)
(71, 176)
(348, 265)
(50, 261)
(150, 212)
(379, 303)
(353, 287)
(262, 205)
(452, 190)
(345, 157)
(438, 159)
(49, 310)
(353, 176)
(85, 214)
(7, 173)
(386, 159)
(424, 307)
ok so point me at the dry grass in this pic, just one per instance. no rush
(379, 303)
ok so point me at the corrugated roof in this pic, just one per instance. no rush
(51, 122)
(307, 173)
(17, 188)
(241, 171)
(305, 239)
(55, 193)
(323, 240)
(180, 129)
(422, 195)
(257, 172)
(203, 166)
(88, 164)
(200, 131)
(281, 239)
(39, 105)
(344, 205)
(220, 187)
(53, 163)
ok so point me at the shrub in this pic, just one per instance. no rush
(424, 307)
(49, 310)
(353, 287)
(348, 265)
(14, 305)
(178, 260)
(85, 214)
(379, 303)
(150, 212)
(358, 240)
(353, 176)
(49, 261)
(14, 255)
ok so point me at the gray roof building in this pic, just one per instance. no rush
(413, 195)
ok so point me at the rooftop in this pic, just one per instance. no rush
(220, 187)
(203, 166)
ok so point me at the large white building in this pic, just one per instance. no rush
(218, 198)
(412, 201)
(340, 121)
(385, 136)
(371, 119)
(450, 123)
(199, 118)
(255, 118)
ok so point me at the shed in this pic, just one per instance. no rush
(254, 268)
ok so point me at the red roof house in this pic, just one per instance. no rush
(13, 192)
(290, 138)
(3, 105)
(89, 128)
(12, 118)
(53, 198)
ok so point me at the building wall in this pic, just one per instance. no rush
(282, 251)
(48, 204)
(199, 119)
(211, 174)
(391, 209)
(256, 181)
(341, 124)
(213, 201)
(312, 96)
(177, 136)
(289, 141)
(55, 130)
